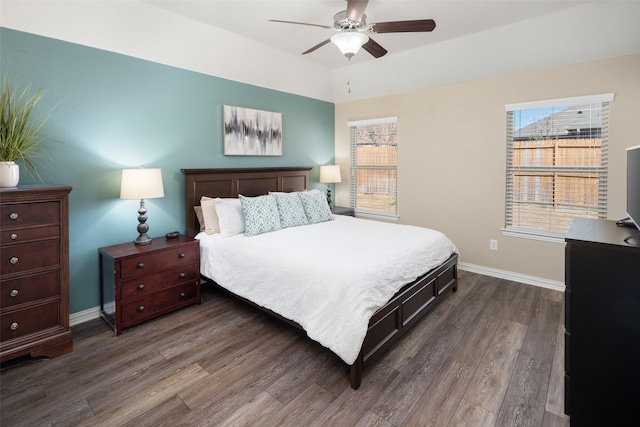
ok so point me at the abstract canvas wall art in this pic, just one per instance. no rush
(249, 132)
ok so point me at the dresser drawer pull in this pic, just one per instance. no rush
(181, 256)
(141, 308)
(141, 265)
(13, 215)
(14, 326)
(13, 260)
(14, 293)
(183, 275)
(14, 236)
(140, 287)
(182, 295)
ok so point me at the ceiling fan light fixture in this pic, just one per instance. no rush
(349, 42)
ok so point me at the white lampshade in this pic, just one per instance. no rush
(141, 184)
(349, 43)
(330, 174)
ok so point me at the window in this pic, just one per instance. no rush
(556, 165)
(374, 167)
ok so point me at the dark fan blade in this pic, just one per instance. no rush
(300, 23)
(416, 26)
(319, 45)
(355, 9)
(374, 48)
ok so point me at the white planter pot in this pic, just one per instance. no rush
(9, 174)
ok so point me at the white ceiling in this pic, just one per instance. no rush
(233, 39)
(454, 19)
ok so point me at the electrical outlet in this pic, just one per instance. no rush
(493, 245)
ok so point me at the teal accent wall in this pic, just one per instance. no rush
(110, 111)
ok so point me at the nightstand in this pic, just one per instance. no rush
(339, 210)
(141, 282)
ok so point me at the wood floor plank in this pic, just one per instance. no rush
(540, 341)
(148, 399)
(441, 398)
(555, 396)
(470, 415)
(491, 380)
(167, 413)
(302, 410)
(524, 304)
(526, 396)
(254, 413)
(475, 341)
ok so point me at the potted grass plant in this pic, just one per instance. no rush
(20, 137)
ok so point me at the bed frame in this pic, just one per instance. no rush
(387, 324)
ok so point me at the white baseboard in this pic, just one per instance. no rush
(516, 277)
(94, 313)
(84, 316)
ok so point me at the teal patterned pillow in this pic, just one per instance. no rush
(290, 209)
(260, 214)
(315, 206)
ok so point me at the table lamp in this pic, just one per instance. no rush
(141, 184)
(330, 174)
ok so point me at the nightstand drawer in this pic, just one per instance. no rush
(19, 214)
(29, 288)
(163, 301)
(29, 256)
(148, 284)
(16, 236)
(157, 261)
(29, 320)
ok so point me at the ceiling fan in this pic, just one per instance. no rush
(352, 27)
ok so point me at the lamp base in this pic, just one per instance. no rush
(142, 239)
(329, 194)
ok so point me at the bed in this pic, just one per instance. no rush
(390, 314)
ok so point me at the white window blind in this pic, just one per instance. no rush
(556, 165)
(374, 167)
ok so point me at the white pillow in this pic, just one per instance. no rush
(290, 209)
(260, 214)
(229, 216)
(315, 206)
(210, 221)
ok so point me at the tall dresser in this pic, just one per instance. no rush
(602, 325)
(34, 275)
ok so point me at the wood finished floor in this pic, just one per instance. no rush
(491, 354)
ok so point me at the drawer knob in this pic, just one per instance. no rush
(181, 256)
(141, 265)
(14, 326)
(183, 275)
(140, 287)
(182, 295)
(14, 293)
(14, 236)
(141, 308)
(14, 260)
(13, 215)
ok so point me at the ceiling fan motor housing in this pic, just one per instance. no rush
(341, 22)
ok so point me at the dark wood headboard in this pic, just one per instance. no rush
(231, 182)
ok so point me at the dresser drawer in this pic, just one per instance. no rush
(163, 301)
(29, 256)
(29, 320)
(29, 288)
(158, 261)
(19, 214)
(16, 236)
(145, 285)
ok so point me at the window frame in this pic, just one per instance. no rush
(353, 170)
(539, 234)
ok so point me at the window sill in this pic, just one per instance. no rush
(368, 215)
(532, 235)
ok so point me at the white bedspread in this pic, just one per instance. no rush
(329, 277)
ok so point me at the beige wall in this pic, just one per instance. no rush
(452, 155)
